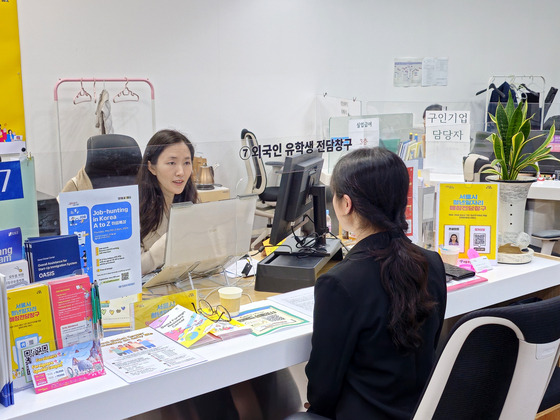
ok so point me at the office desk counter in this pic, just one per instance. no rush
(247, 357)
(110, 397)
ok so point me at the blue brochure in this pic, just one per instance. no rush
(10, 245)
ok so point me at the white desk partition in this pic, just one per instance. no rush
(247, 357)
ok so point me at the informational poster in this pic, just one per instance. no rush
(468, 218)
(434, 71)
(412, 201)
(12, 122)
(407, 72)
(364, 132)
(448, 136)
(106, 221)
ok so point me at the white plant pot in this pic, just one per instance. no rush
(511, 212)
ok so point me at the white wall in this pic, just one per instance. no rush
(221, 65)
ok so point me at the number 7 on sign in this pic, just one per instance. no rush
(5, 185)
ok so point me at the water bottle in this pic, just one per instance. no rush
(328, 221)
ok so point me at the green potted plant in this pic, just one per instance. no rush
(513, 134)
(513, 131)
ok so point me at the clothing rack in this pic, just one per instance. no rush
(83, 95)
(533, 82)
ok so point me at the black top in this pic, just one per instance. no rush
(355, 371)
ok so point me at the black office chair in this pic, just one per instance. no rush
(258, 184)
(112, 160)
(496, 364)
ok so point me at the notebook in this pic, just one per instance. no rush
(203, 238)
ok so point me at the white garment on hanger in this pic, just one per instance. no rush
(103, 112)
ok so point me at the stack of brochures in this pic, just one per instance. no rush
(411, 149)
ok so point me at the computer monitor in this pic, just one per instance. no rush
(300, 192)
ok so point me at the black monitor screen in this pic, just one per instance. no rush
(299, 175)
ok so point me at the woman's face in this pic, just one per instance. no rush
(172, 169)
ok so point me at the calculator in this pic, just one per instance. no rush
(457, 273)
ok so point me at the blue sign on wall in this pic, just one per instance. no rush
(11, 185)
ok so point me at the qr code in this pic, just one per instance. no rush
(479, 239)
(125, 276)
(29, 352)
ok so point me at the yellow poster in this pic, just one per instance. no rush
(12, 122)
(468, 218)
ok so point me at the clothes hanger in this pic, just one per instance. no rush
(126, 95)
(82, 95)
(492, 86)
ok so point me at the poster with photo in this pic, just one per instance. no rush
(469, 211)
(455, 236)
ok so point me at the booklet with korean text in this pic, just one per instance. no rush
(16, 272)
(31, 329)
(183, 325)
(115, 313)
(144, 312)
(223, 330)
(71, 309)
(267, 319)
(66, 366)
(144, 353)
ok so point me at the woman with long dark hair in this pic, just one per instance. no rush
(378, 313)
(165, 177)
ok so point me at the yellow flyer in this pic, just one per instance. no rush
(468, 218)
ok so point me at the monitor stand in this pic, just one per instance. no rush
(283, 272)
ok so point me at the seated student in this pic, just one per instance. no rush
(165, 177)
(378, 314)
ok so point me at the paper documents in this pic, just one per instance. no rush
(145, 353)
(301, 300)
(267, 319)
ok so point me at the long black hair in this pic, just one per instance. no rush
(152, 202)
(377, 182)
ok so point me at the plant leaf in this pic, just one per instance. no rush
(501, 121)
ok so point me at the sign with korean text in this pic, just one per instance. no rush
(468, 218)
(364, 132)
(448, 136)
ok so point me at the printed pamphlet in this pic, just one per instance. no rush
(72, 310)
(144, 353)
(31, 329)
(66, 366)
(267, 319)
(183, 325)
